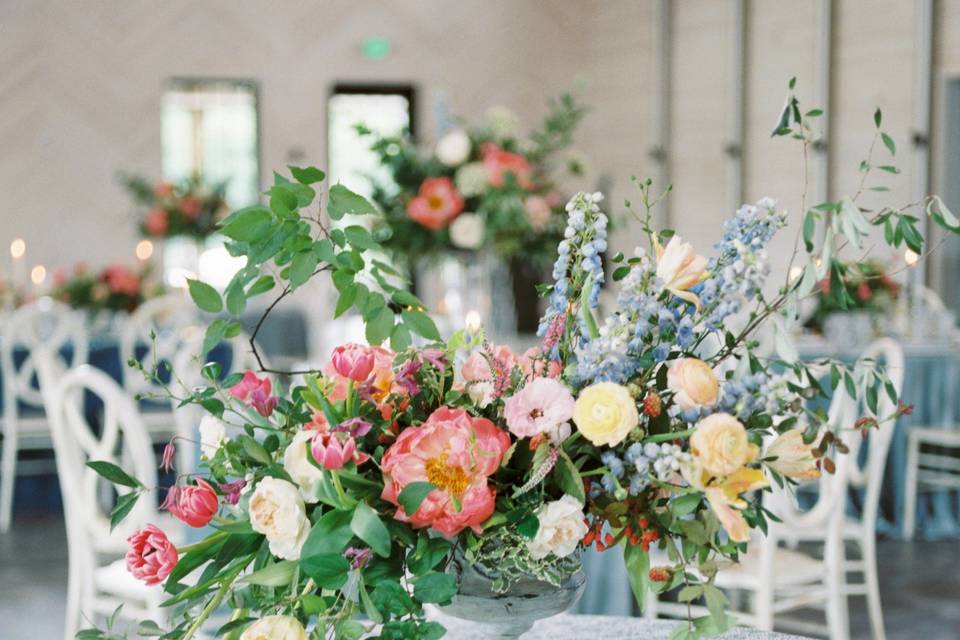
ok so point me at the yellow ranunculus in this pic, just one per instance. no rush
(693, 382)
(275, 628)
(605, 413)
(720, 444)
(794, 459)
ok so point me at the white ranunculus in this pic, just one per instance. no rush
(275, 628)
(561, 528)
(466, 231)
(277, 511)
(212, 434)
(454, 148)
(295, 463)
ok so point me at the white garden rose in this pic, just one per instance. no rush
(480, 392)
(471, 179)
(466, 231)
(296, 464)
(275, 628)
(454, 148)
(212, 434)
(277, 511)
(561, 528)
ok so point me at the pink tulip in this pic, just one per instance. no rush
(437, 204)
(195, 505)
(255, 392)
(353, 361)
(151, 556)
(332, 450)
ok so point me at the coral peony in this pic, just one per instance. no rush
(195, 505)
(437, 203)
(151, 556)
(255, 392)
(457, 453)
(498, 163)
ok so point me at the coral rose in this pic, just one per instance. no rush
(437, 203)
(605, 413)
(457, 453)
(720, 444)
(693, 383)
(151, 556)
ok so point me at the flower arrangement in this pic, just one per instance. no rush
(482, 187)
(115, 287)
(866, 287)
(338, 503)
(187, 208)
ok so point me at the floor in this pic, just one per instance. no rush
(920, 583)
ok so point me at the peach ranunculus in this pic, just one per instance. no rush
(693, 383)
(457, 453)
(680, 268)
(794, 459)
(498, 163)
(720, 445)
(723, 495)
(437, 204)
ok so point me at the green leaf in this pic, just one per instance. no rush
(380, 325)
(255, 450)
(302, 268)
(400, 337)
(278, 574)
(262, 285)
(330, 535)
(343, 201)
(889, 144)
(421, 324)
(435, 588)
(638, 566)
(205, 296)
(877, 117)
(529, 526)
(366, 524)
(329, 570)
(114, 474)
(345, 300)
(413, 494)
(359, 237)
(125, 505)
(306, 175)
(809, 227)
(247, 225)
(684, 504)
(568, 477)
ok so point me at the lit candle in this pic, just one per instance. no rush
(37, 275)
(473, 321)
(911, 257)
(144, 250)
(18, 251)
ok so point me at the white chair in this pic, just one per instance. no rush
(97, 578)
(62, 331)
(928, 470)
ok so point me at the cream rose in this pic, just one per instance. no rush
(720, 444)
(212, 434)
(466, 231)
(605, 413)
(453, 148)
(693, 383)
(794, 458)
(296, 464)
(275, 628)
(561, 528)
(277, 511)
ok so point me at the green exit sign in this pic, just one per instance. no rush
(375, 48)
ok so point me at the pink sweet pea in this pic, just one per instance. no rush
(437, 204)
(255, 392)
(457, 453)
(540, 407)
(332, 450)
(151, 556)
(499, 162)
(353, 361)
(157, 222)
(195, 505)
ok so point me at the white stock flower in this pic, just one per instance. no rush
(466, 231)
(454, 148)
(275, 628)
(212, 434)
(561, 528)
(277, 511)
(302, 472)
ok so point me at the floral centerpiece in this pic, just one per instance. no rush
(341, 505)
(867, 289)
(186, 208)
(115, 287)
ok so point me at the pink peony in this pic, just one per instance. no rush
(498, 162)
(255, 392)
(457, 453)
(121, 279)
(157, 222)
(353, 361)
(540, 407)
(151, 556)
(195, 505)
(437, 203)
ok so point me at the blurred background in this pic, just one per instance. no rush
(110, 109)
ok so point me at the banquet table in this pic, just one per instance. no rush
(576, 627)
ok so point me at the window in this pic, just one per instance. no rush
(385, 109)
(209, 130)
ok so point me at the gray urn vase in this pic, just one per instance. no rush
(512, 613)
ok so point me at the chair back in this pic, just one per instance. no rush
(46, 324)
(153, 334)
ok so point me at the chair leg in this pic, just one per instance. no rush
(835, 578)
(74, 584)
(8, 474)
(874, 607)
(910, 488)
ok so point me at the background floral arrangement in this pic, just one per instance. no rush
(480, 187)
(866, 287)
(187, 208)
(116, 287)
(347, 495)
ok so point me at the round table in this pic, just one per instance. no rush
(575, 627)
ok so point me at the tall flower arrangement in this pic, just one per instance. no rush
(186, 208)
(340, 500)
(115, 287)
